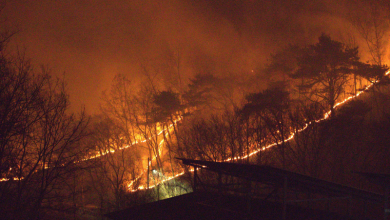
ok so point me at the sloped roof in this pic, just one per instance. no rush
(275, 176)
(208, 205)
(188, 206)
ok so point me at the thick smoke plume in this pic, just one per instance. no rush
(91, 41)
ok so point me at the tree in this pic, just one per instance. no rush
(168, 106)
(116, 168)
(168, 111)
(374, 73)
(326, 67)
(39, 141)
(372, 20)
(130, 111)
(134, 112)
(200, 92)
(272, 107)
(207, 93)
(216, 138)
(119, 106)
(283, 62)
(307, 153)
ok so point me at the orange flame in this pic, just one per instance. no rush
(326, 116)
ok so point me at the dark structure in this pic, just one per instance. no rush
(243, 191)
(382, 180)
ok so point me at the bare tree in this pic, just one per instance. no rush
(216, 138)
(372, 20)
(133, 111)
(39, 139)
(272, 107)
(307, 153)
(116, 168)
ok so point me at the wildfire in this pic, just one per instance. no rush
(143, 187)
(100, 154)
(8, 179)
(150, 163)
(326, 116)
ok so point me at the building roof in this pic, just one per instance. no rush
(214, 205)
(188, 206)
(275, 176)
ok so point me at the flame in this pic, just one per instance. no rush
(143, 187)
(144, 171)
(325, 116)
(8, 179)
(99, 154)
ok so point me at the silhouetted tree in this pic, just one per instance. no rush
(283, 62)
(132, 111)
(375, 73)
(39, 141)
(119, 106)
(326, 66)
(117, 166)
(372, 20)
(168, 106)
(307, 153)
(216, 138)
(272, 107)
(200, 92)
(207, 93)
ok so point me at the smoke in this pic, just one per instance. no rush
(91, 41)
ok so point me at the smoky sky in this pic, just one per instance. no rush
(89, 41)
